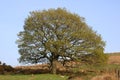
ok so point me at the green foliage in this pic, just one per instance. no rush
(56, 34)
(97, 57)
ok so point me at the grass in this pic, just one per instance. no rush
(33, 77)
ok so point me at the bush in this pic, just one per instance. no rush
(1, 69)
(6, 68)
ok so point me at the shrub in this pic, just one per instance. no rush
(1, 69)
(6, 68)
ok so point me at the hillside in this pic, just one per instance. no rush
(114, 58)
(108, 72)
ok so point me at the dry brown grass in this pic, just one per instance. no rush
(105, 77)
(39, 66)
(60, 67)
(76, 78)
(114, 58)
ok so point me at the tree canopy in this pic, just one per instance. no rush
(57, 35)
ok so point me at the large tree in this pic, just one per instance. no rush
(57, 35)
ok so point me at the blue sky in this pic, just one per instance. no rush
(102, 15)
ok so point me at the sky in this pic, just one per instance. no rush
(102, 15)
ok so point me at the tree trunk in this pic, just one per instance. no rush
(54, 66)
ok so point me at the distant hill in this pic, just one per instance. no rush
(114, 58)
(114, 53)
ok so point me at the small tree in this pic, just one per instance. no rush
(56, 34)
(0, 62)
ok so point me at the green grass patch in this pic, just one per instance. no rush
(33, 77)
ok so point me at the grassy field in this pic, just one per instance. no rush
(33, 77)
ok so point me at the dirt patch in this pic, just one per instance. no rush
(75, 78)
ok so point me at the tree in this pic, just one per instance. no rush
(57, 35)
(0, 62)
